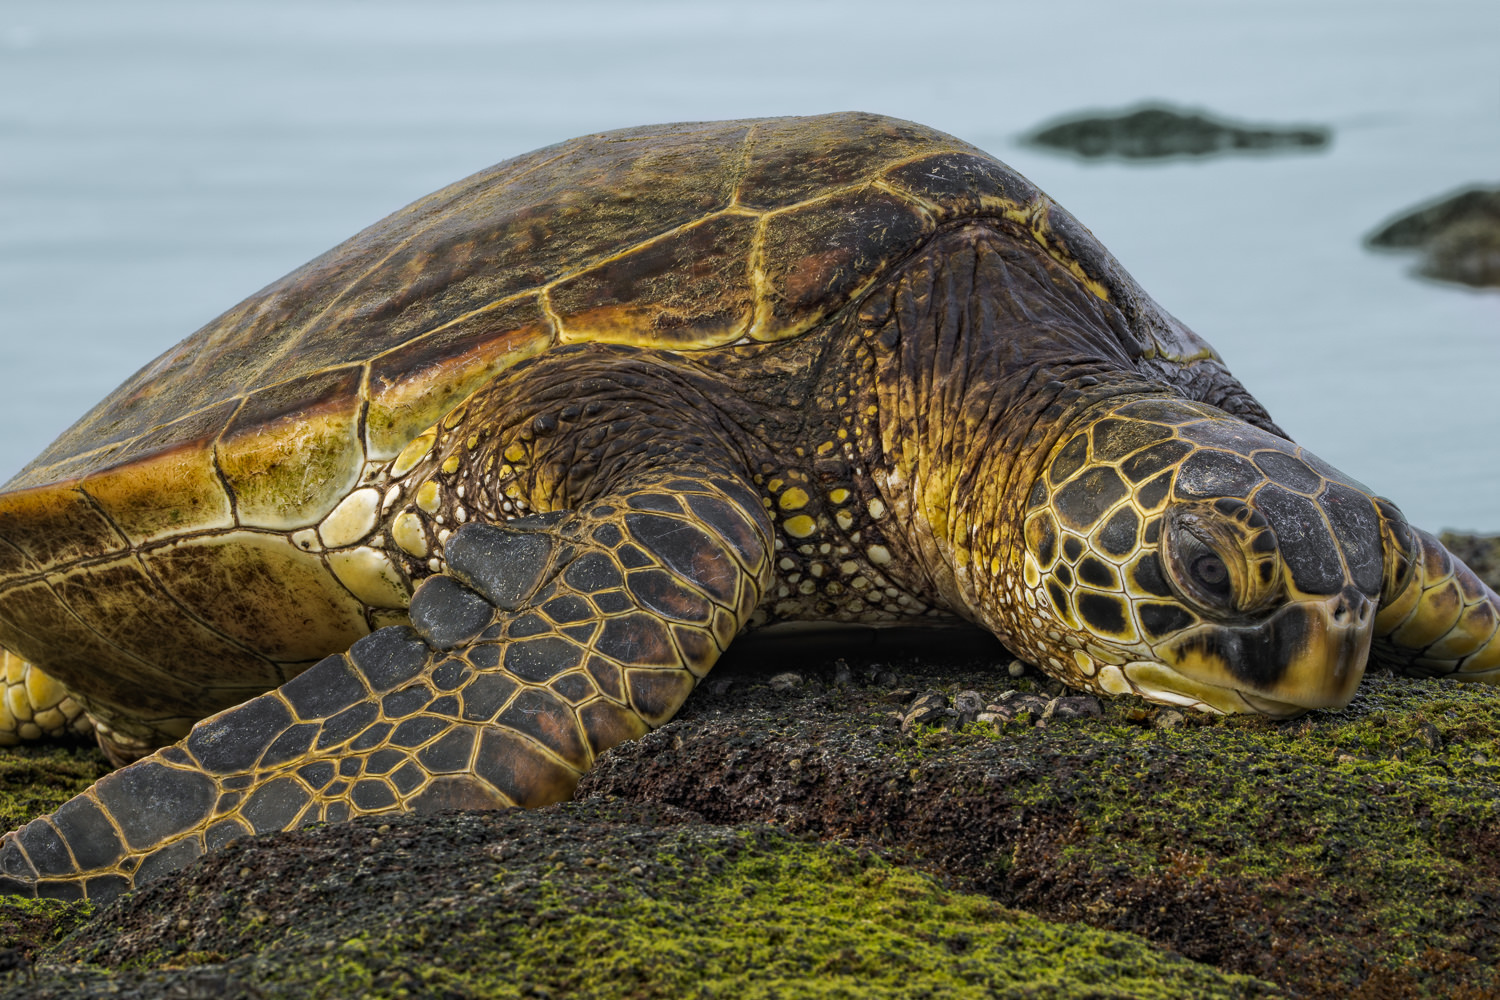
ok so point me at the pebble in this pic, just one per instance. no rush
(1170, 719)
(786, 682)
(842, 675)
(930, 709)
(968, 705)
(1076, 707)
(1016, 668)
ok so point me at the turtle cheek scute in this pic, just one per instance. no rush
(1356, 525)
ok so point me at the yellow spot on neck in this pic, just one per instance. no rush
(793, 499)
(800, 526)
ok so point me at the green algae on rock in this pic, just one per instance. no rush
(590, 900)
(1347, 851)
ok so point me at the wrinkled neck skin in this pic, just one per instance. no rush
(987, 352)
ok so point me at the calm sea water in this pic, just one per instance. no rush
(161, 160)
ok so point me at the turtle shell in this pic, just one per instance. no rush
(262, 425)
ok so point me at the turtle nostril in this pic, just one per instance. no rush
(1341, 611)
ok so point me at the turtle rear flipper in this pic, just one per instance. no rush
(1436, 617)
(34, 706)
(547, 641)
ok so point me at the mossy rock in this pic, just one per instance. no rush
(1347, 854)
(587, 900)
(1158, 132)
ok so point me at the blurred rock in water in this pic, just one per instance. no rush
(1458, 236)
(1481, 553)
(1157, 131)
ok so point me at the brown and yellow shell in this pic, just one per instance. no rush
(262, 426)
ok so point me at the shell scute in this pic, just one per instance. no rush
(792, 160)
(959, 184)
(413, 385)
(145, 626)
(816, 257)
(49, 527)
(294, 450)
(179, 490)
(258, 589)
(690, 289)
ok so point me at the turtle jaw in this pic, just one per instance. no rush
(1309, 654)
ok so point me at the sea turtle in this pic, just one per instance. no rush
(445, 513)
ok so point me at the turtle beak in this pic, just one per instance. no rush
(1309, 654)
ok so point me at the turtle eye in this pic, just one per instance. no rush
(1198, 572)
(1210, 571)
(1222, 561)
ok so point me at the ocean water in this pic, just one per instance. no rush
(160, 160)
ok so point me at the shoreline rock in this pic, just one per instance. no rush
(1457, 237)
(1160, 131)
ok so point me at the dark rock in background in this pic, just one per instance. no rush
(1458, 237)
(1157, 131)
(1481, 553)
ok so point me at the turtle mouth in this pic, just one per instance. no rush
(1309, 654)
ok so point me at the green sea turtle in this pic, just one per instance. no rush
(447, 512)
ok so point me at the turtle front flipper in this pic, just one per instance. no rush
(1436, 617)
(546, 641)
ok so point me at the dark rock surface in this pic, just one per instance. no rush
(1155, 131)
(1458, 237)
(857, 817)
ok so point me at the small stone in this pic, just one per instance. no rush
(842, 675)
(720, 685)
(383, 828)
(1016, 668)
(786, 682)
(900, 696)
(993, 718)
(183, 924)
(637, 871)
(886, 678)
(929, 709)
(1426, 735)
(1169, 719)
(374, 842)
(968, 705)
(1077, 707)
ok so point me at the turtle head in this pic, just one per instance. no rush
(1173, 550)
